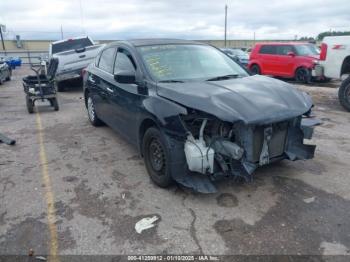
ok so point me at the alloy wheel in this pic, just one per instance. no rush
(91, 109)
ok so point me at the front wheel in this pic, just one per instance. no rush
(344, 94)
(156, 157)
(303, 75)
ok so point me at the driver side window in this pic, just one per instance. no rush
(124, 62)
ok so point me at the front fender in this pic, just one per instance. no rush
(166, 114)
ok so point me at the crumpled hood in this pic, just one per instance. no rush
(253, 99)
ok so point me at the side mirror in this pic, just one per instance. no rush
(125, 77)
(292, 54)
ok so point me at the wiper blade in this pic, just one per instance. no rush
(217, 78)
(171, 81)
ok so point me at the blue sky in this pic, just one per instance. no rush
(190, 19)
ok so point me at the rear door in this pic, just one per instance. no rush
(285, 62)
(267, 58)
(126, 100)
(103, 80)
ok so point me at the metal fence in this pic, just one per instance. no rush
(27, 56)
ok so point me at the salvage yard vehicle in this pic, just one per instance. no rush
(290, 60)
(73, 54)
(41, 86)
(335, 60)
(238, 55)
(5, 72)
(194, 114)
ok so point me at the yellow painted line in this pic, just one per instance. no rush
(49, 196)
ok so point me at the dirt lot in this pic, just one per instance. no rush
(70, 188)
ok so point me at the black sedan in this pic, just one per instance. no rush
(193, 113)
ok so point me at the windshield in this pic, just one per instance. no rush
(187, 62)
(305, 50)
(71, 44)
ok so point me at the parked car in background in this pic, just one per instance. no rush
(13, 62)
(195, 114)
(73, 55)
(238, 55)
(5, 71)
(335, 60)
(291, 60)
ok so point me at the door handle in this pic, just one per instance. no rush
(109, 89)
(91, 79)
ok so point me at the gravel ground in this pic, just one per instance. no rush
(96, 188)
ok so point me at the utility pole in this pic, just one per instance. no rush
(225, 24)
(61, 32)
(2, 39)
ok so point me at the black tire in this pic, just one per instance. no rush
(303, 75)
(90, 107)
(325, 80)
(60, 86)
(54, 103)
(8, 78)
(255, 70)
(30, 105)
(156, 156)
(1, 81)
(344, 94)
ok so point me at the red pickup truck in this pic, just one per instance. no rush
(291, 60)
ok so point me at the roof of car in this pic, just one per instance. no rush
(283, 43)
(159, 41)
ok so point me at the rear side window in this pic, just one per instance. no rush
(107, 60)
(71, 44)
(124, 62)
(284, 49)
(268, 49)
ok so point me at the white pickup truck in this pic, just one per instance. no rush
(73, 55)
(335, 59)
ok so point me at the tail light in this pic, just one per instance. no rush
(338, 47)
(323, 53)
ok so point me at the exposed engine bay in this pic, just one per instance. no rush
(219, 148)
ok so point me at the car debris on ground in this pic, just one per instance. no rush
(7, 140)
(145, 223)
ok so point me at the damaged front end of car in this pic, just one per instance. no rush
(216, 149)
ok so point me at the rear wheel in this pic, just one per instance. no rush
(344, 94)
(303, 75)
(59, 86)
(255, 70)
(156, 157)
(30, 105)
(54, 103)
(94, 120)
